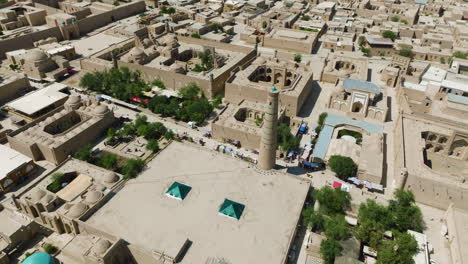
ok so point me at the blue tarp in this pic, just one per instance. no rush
(303, 128)
(311, 164)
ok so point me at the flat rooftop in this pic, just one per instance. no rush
(38, 100)
(10, 160)
(142, 214)
(89, 46)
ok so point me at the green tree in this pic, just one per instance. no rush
(332, 201)
(404, 21)
(108, 161)
(85, 153)
(196, 35)
(389, 34)
(140, 120)
(152, 130)
(442, 60)
(286, 140)
(329, 249)
(169, 135)
(189, 92)
(406, 215)
(361, 40)
(343, 167)
(207, 59)
(305, 17)
(132, 167)
(313, 220)
(120, 83)
(395, 18)
(152, 145)
(398, 251)
(298, 58)
(374, 220)
(336, 227)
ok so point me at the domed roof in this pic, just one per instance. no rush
(39, 258)
(77, 210)
(35, 55)
(147, 41)
(92, 197)
(101, 110)
(101, 246)
(136, 52)
(58, 115)
(110, 177)
(50, 119)
(37, 195)
(73, 99)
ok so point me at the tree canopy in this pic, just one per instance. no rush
(286, 140)
(389, 34)
(329, 249)
(398, 251)
(344, 167)
(132, 167)
(120, 83)
(332, 201)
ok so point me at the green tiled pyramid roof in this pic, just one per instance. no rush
(178, 190)
(232, 209)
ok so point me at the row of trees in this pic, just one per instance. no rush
(329, 219)
(120, 83)
(123, 84)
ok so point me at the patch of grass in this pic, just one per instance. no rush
(354, 134)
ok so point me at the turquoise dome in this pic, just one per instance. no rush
(39, 258)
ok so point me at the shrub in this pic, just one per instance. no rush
(158, 83)
(132, 167)
(389, 34)
(50, 248)
(395, 18)
(460, 55)
(218, 100)
(354, 134)
(108, 161)
(298, 58)
(442, 60)
(322, 118)
(404, 21)
(406, 52)
(305, 17)
(343, 167)
(361, 40)
(85, 153)
(197, 68)
(56, 184)
(196, 35)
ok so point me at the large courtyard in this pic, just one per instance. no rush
(143, 214)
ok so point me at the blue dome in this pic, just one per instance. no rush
(39, 258)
